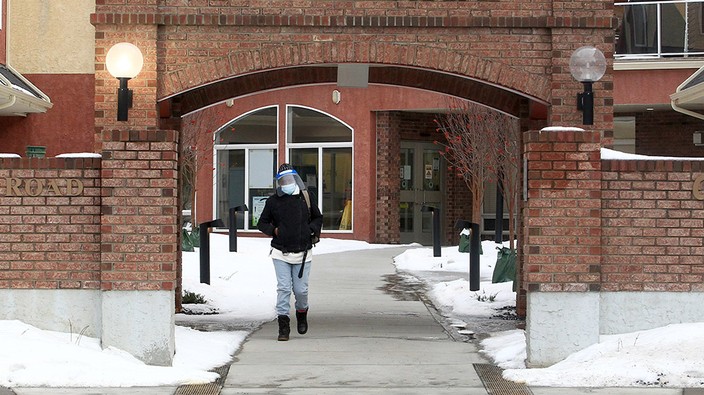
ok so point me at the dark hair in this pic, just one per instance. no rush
(284, 167)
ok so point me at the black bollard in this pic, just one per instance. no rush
(205, 248)
(474, 249)
(435, 212)
(474, 266)
(499, 227)
(233, 225)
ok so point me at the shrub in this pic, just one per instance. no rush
(192, 298)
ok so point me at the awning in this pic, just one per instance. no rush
(18, 97)
(689, 96)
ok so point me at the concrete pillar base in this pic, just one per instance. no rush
(141, 323)
(559, 324)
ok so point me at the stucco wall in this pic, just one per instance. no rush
(51, 36)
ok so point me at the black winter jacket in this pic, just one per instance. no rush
(290, 214)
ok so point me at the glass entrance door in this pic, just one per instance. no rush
(420, 184)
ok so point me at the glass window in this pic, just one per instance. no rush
(320, 149)
(625, 134)
(244, 165)
(258, 127)
(311, 126)
(337, 188)
(230, 183)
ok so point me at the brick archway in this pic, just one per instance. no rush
(200, 53)
(488, 82)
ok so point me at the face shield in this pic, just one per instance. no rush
(288, 182)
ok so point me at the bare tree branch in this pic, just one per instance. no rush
(483, 145)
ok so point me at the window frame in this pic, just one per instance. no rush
(320, 146)
(247, 148)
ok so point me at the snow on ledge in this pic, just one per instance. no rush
(609, 154)
(561, 129)
(9, 156)
(80, 155)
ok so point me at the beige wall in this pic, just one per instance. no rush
(50, 36)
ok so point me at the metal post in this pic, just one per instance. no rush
(499, 225)
(435, 212)
(233, 225)
(205, 248)
(436, 232)
(204, 253)
(474, 267)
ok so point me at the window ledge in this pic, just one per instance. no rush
(658, 64)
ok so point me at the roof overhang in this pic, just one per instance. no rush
(18, 96)
(689, 95)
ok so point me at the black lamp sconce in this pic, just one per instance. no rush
(124, 61)
(587, 65)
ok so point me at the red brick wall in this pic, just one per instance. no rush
(611, 225)
(67, 127)
(562, 216)
(654, 126)
(139, 210)
(50, 240)
(653, 226)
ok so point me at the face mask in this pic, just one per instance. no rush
(288, 188)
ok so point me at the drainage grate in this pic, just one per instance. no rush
(206, 389)
(495, 384)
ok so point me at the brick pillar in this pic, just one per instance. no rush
(562, 247)
(139, 242)
(388, 145)
(139, 223)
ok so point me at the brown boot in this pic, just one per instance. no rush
(284, 328)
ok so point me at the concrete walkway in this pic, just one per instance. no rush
(361, 340)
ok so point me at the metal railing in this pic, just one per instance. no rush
(659, 29)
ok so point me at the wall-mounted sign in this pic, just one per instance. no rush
(34, 187)
(698, 188)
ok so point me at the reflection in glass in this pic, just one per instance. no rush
(230, 184)
(262, 167)
(427, 218)
(406, 210)
(310, 126)
(659, 29)
(431, 170)
(337, 188)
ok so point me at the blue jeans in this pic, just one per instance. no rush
(286, 281)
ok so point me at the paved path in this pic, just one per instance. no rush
(361, 340)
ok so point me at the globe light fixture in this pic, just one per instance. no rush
(587, 65)
(124, 61)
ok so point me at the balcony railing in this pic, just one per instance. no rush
(658, 29)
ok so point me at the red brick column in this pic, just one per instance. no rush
(562, 216)
(139, 249)
(388, 143)
(562, 242)
(139, 222)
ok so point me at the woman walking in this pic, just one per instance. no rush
(291, 218)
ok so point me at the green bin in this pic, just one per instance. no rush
(505, 269)
(186, 243)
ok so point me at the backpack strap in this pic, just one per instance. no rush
(307, 197)
(303, 264)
